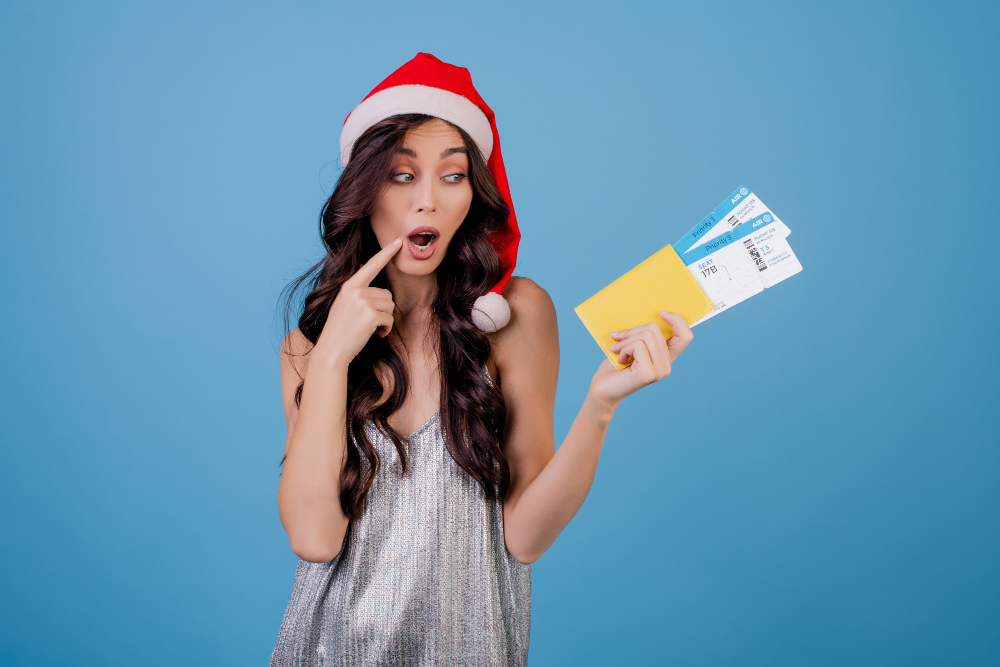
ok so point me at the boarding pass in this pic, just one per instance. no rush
(739, 207)
(736, 264)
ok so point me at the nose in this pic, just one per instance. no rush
(426, 196)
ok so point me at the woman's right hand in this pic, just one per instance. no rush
(359, 310)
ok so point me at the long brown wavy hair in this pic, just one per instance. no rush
(473, 412)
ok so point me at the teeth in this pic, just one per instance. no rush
(424, 247)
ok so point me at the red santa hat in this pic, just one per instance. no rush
(429, 86)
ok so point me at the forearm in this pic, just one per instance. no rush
(309, 490)
(548, 504)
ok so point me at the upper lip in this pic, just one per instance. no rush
(425, 230)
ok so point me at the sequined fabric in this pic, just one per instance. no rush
(423, 578)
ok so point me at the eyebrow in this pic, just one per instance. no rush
(445, 153)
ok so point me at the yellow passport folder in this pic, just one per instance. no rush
(661, 282)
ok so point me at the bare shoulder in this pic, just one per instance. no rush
(532, 328)
(530, 304)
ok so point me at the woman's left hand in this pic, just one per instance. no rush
(652, 357)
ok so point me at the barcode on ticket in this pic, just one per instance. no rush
(754, 255)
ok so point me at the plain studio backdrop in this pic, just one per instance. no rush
(818, 481)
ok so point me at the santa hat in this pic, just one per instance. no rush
(429, 86)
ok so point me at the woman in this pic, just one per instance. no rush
(420, 478)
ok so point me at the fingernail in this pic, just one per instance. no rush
(398, 241)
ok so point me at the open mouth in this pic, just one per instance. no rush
(423, 240)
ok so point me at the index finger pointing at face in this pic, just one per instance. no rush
(367, 273)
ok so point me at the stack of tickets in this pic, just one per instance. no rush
(736, 251)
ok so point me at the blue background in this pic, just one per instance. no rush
(818, 482)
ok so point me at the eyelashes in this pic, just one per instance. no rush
(397, 179)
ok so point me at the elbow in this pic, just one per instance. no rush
(316, 549)
(525, 556)
(315, 552)
(313, 538)
(521, 547)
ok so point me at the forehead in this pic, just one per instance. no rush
(433, 133)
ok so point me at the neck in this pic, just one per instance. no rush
(413, 295)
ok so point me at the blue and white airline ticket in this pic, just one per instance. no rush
(739, 207)
(741, 262)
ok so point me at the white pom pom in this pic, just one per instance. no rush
(491, 312)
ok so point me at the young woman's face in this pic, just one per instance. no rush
(427, 198)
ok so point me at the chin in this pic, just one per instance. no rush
(415, 267)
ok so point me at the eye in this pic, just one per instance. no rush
(455, 178)
(406, 177)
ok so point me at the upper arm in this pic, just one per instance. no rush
(294, 361)
(527, 358)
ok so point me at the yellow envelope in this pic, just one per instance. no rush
(661, 282)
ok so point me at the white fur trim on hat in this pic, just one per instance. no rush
(414, 98)
(491, 312)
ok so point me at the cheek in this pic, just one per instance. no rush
(390, 212)
(459, 201)
(457, 208)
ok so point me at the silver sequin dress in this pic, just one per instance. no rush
(423, 578)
